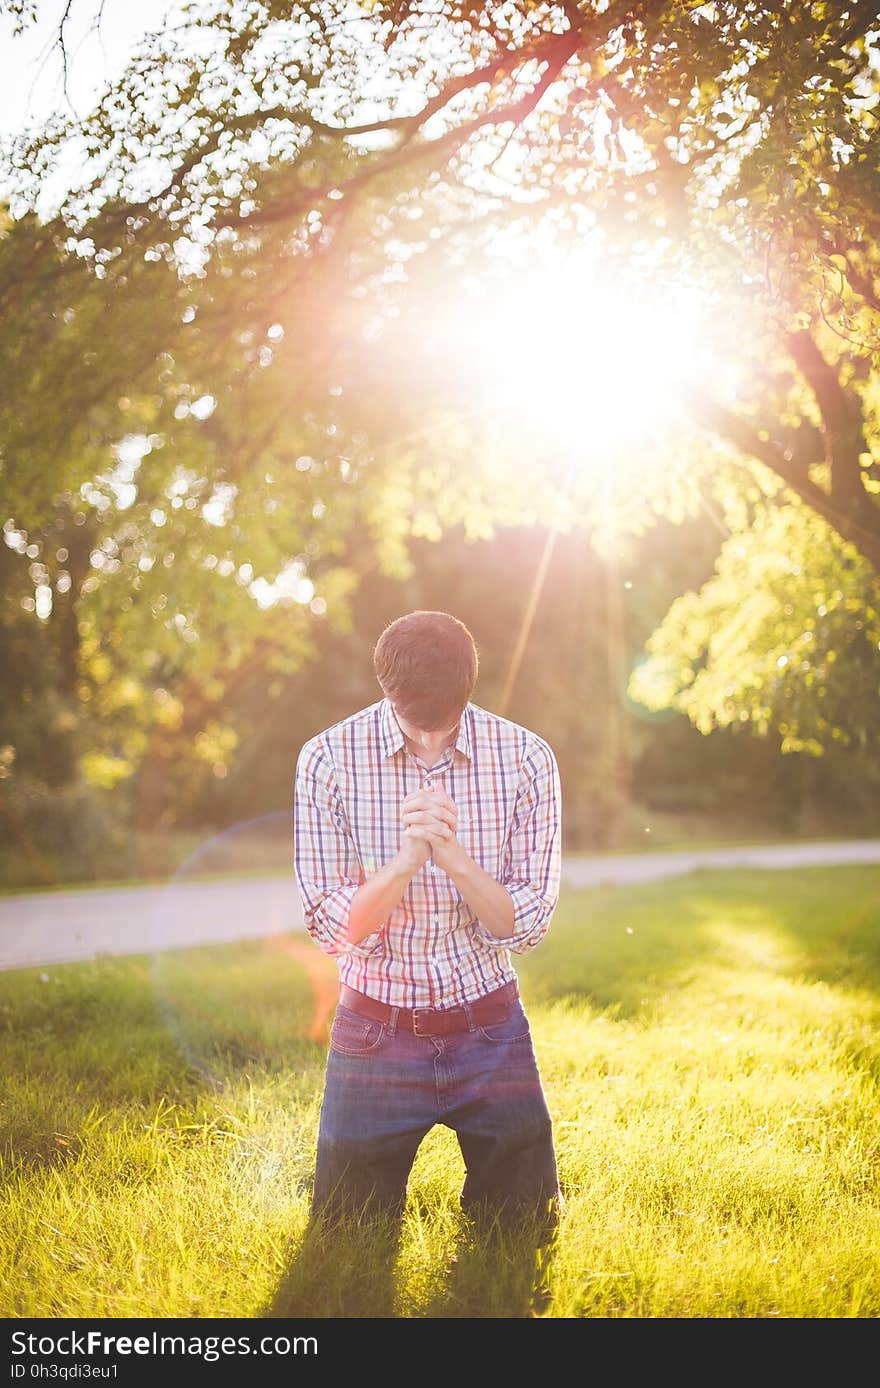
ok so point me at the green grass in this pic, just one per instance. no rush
(711, 1054)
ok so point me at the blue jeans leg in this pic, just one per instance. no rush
(503, 1124)
(378, 1104)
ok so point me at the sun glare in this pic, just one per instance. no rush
(591, 364)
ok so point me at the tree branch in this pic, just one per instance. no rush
(864, 532)
(842, 426)
(408, 153)
(859, 282)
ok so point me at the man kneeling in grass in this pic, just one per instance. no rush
(427, 845)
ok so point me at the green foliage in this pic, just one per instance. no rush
(74, 832)
(785, 635)
(222, 379)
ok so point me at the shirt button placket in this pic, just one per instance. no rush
(432, 866)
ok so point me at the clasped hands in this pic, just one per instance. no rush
(429, 818)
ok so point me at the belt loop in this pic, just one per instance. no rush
(392, 1025)
(467, 1013)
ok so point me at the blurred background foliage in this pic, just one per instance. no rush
(269, 379)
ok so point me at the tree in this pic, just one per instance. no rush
(713, 124)
(252, 207)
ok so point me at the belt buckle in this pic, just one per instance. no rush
(415, 1021)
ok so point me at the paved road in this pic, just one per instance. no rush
(43, 928)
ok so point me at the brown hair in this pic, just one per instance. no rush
(426, 663)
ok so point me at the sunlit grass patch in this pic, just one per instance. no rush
(709, 1050)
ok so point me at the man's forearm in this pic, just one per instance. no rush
(490, 902)
(376, 898)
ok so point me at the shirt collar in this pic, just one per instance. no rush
(392, 738)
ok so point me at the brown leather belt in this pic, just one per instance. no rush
(434, 1021)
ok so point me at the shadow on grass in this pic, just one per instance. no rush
(339, 1269)
(349, 1267)
(496, 1272)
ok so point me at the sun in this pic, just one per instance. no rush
(591, 364)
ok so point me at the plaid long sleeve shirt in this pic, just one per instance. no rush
(431, 951)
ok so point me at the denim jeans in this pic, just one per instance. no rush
(386, 1088)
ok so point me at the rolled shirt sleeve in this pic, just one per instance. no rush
(327, 869)
(533, 853)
